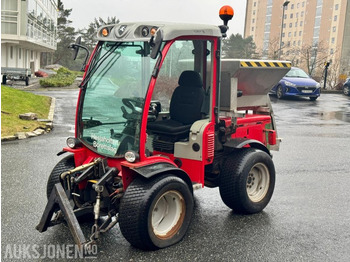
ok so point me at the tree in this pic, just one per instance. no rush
(65, 36)
(89, 35)
(238, 47)
(312, 57)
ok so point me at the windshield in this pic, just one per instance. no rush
(296, 72)
(113, 95)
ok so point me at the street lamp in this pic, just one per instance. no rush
(284, 8)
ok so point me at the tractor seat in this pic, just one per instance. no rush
(185, 107)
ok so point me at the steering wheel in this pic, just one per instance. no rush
(133, 105)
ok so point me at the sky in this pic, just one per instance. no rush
(187, 11)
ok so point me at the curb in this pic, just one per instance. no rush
(39, 131)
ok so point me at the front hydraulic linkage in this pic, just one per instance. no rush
(59, 202)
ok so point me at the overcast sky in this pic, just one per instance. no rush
(189, 11)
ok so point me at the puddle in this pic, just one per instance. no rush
(338, 115)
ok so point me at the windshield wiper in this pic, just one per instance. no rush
(93, 68)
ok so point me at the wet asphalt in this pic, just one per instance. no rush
(308, 218)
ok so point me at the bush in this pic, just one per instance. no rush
(64, 77)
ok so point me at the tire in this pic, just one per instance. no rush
(4, 79)
(279, 92)
(63, 165)
(141, 219)
(346, 91)
(247, 181)
(313, 98)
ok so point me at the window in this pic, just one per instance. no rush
(290, 25)
(284, 25)
(334, 29)
(292, 6)
(19, 53)
(283, 34)
(31, 54)
(302, 14)
(295, 33)
(299, 42)
(335, 18)
(301, 23)
(298, 4)
(254, 4)
(291, 16)
(11, 52)
(297, 15)
(336, 7)
(303, 4)
(333, 40)
(285, 16)
(296, 24)
(300, 32)
(253, 21)
(294, 43)
(253, 12)
(252, 28)
(332, 51)
(289, 34)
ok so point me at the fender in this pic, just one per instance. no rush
(241, 142)
(153, 169)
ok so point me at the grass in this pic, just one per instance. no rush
(15, 102)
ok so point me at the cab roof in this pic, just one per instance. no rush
(141, 31)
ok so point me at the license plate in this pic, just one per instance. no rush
(306, 91)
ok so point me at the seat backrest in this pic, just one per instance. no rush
(187, 99)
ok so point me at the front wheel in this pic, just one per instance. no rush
(313, 98)
(279, 92)
(346, 91)
(247, 181)
(156, 213)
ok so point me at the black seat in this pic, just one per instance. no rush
(185, 107)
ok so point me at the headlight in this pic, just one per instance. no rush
(73, 142)
(131, 156)
(318, 85)
(287, 83)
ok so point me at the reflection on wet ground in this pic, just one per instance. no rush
(329, 109)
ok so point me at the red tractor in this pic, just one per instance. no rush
(160, 114)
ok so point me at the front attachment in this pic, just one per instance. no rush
(59, 199)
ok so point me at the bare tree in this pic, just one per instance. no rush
(312, 57)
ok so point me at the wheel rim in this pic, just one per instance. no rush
(346, 90)
(168, 214)
(279, 92)
(258, 182)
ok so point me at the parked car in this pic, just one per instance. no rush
(297, 83)
(346, 87)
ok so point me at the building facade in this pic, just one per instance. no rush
(306, 32)
(28, 29)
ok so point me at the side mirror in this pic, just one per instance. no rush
(156, 42)
(76, 46)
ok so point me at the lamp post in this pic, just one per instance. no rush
(284, 7)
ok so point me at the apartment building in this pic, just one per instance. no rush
(28, 29)
(294, 29)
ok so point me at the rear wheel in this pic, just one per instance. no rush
(156, 213)
(279, 92)
(4, 79)
(247, 181)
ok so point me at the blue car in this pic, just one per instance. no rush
(346, 87)
(297, 83)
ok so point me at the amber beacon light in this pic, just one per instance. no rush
(226, 13)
